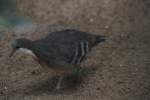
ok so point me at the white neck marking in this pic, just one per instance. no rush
(26, 51)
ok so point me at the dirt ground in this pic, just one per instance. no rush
(123, 60)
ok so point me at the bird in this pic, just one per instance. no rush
(61, 51)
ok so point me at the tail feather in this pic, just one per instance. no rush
(97, 39)
(100, 39)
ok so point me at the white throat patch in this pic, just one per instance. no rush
(27, 51)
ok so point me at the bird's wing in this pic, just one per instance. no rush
(81, 49)
(68, 45)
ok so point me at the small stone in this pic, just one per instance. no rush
(5, 88)
(91, 20)
(120, 65)
(98, 88)
(106, 27)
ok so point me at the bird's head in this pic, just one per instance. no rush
(16, 44)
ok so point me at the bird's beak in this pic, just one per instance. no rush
(12, 52)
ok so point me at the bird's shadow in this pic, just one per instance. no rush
(69, 85)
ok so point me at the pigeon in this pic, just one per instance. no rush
(60, 51)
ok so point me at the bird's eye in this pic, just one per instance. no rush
(17, 47)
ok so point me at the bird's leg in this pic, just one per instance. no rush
(36, 71)
(58, 86)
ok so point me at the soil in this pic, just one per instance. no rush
(123, 59)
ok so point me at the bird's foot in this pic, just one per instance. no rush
(59, 84)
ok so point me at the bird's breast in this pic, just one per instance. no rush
(27, 51)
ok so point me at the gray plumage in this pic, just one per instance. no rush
(69, 45)
(60, 51)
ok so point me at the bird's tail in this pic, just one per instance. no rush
(100, 39)
(96, 39)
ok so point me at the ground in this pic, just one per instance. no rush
(123, 59)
